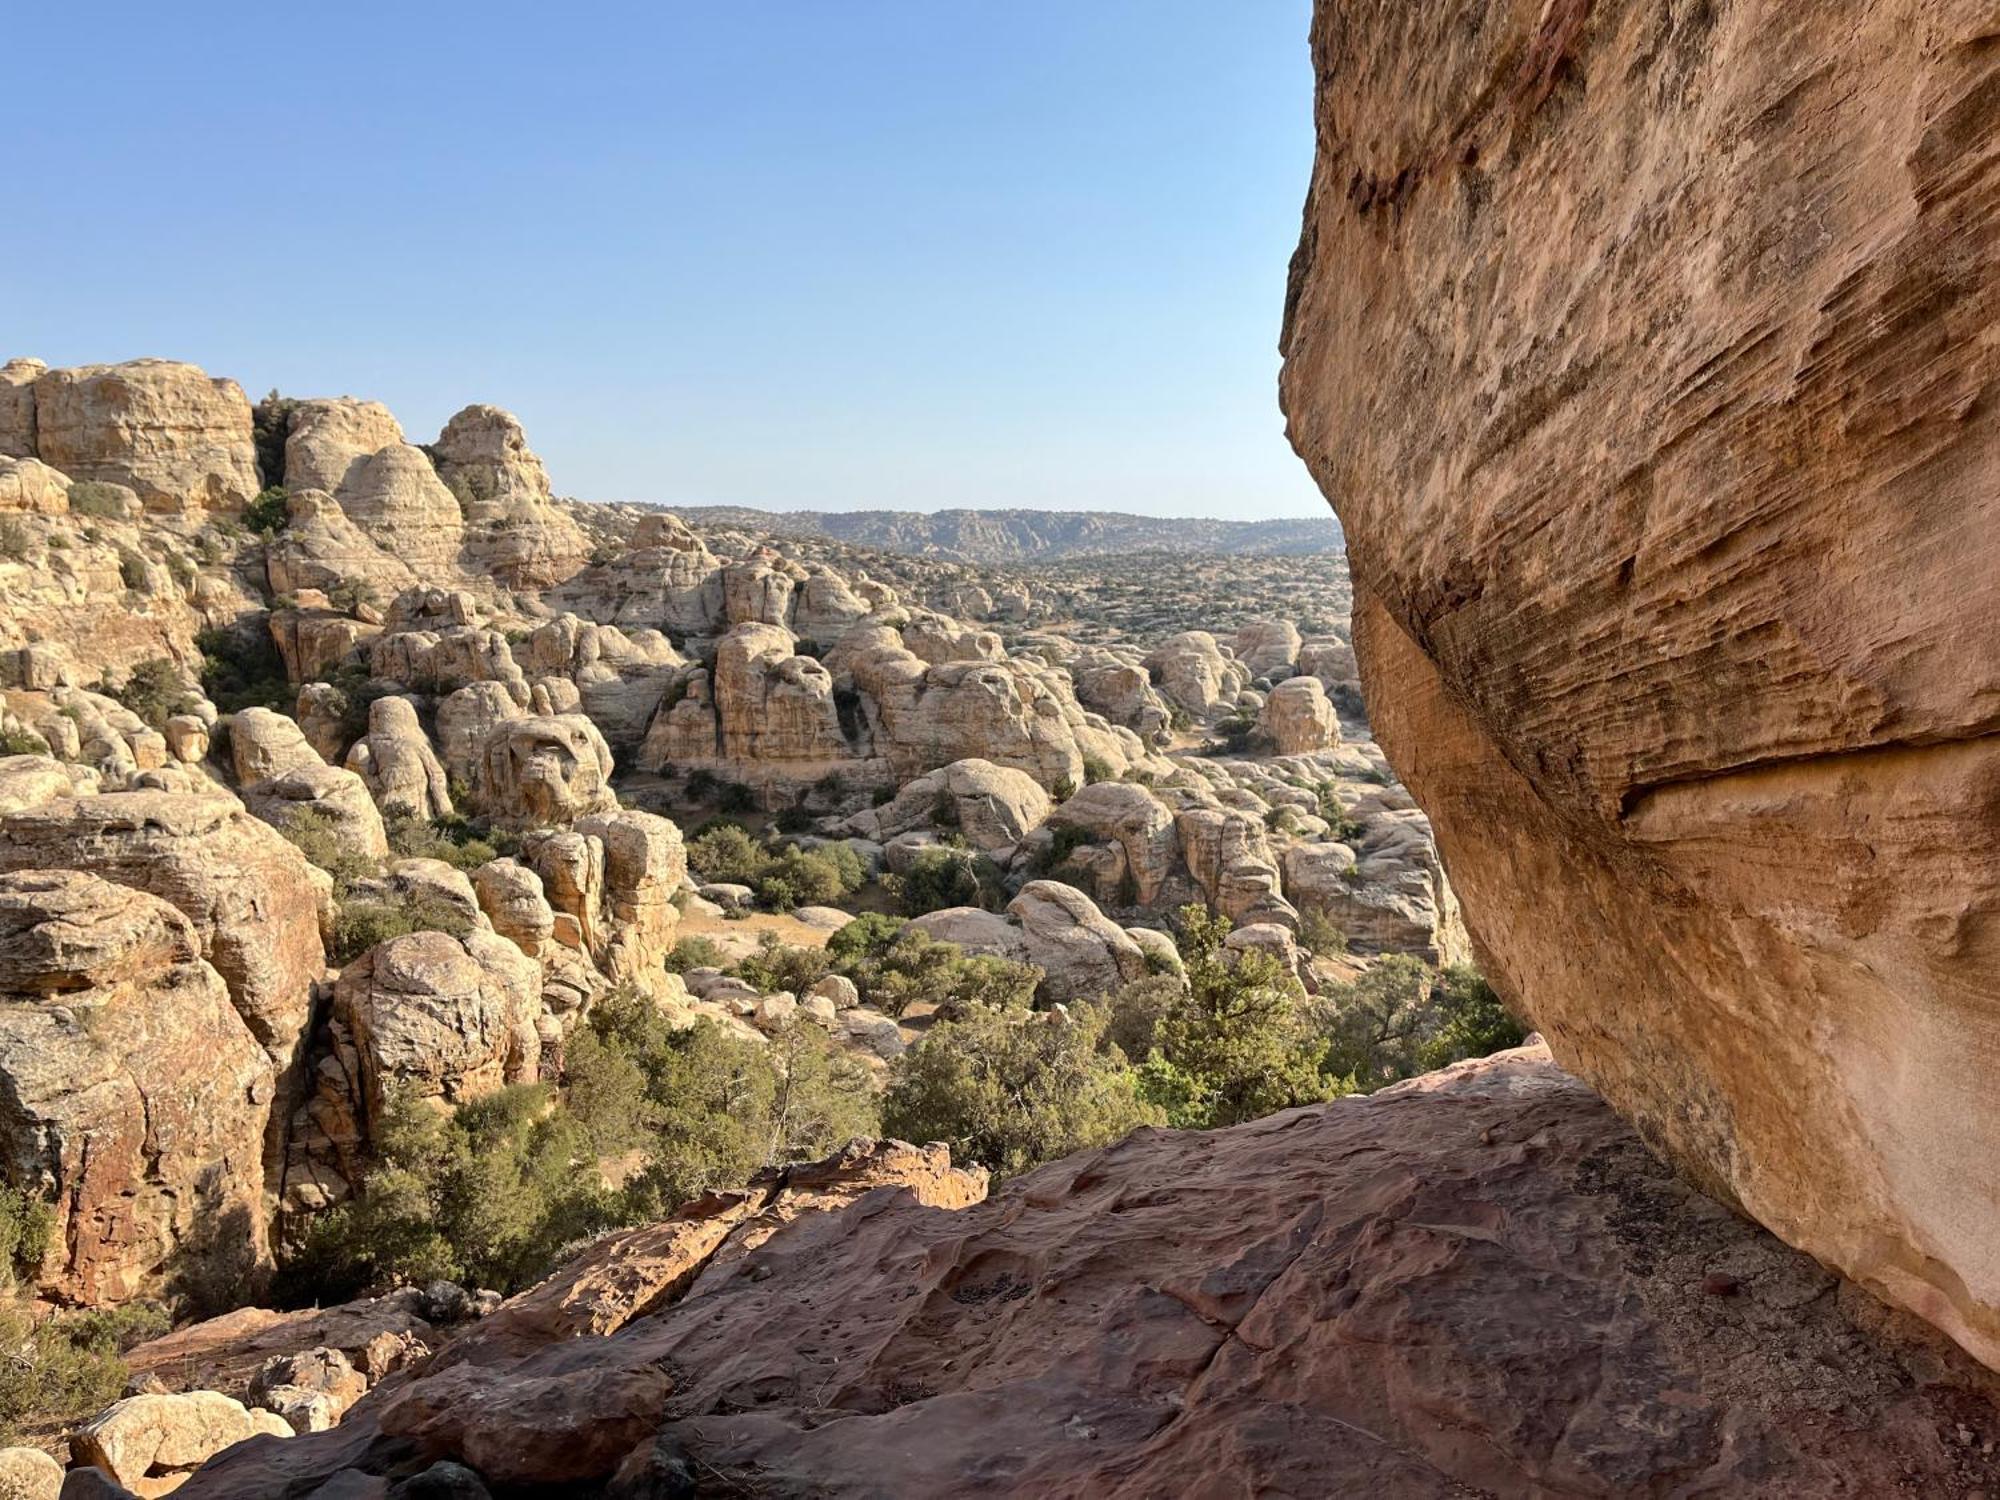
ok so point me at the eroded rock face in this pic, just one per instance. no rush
(1295, 1299)
(541, 770)
(135, 1098)
(163, 429)
(1298, 717)
(1646, 355)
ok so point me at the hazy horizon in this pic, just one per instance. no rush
(894, 256)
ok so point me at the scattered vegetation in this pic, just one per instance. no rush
(55, 1373)
(1012, 1092)
(783, 875)
(241, 668)
(946, 875)
(154, 690)
(647, 1117)
(270, 512)
(102, 502)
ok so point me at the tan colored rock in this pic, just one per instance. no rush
(137, 1098)
(32, 780)
(162, 1434)
(511, 896)
(396, 501)
(263, 743)
(1656, 415)
(17, 406)
(29, 1473)
(323, 547)
(993, 806)
(513, 531)
(329, 442)
(180, 440)
(315, 642)
(1267, 648)
(755, 592)
(396, 761)
(466, 719)
(1228, 853)
(28, 487)
(1142, 827)
(248, 892)
(187, 739)
(774, 706)
(331, 802)
(542, 771)
(441, 1017)
(1298, 717)
(1191, 671)
(1083, 954)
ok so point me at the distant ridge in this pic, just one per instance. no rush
(1012, 536)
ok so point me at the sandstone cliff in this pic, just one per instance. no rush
(1646, 353)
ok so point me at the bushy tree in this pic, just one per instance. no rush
(155, 691)
(895, 965)
(944, 876)
(1235, 1044)
(66, 1367)
(1011, 1090)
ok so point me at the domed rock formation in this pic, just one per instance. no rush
(1646, 354)
(176, 438)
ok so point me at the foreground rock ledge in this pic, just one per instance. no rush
(1476, 1283)
(1646, 352)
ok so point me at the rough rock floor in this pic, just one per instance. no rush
(1478, 1283)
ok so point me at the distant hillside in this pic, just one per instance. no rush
(1010, 536)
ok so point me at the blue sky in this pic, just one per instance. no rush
(791, 253)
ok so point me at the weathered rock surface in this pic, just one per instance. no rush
(149, 1435)
(397, 762)
(1475, 1283)
(250, 894)
(178, 439)
(440, 1017)
(1298, 717)
(1645, 353)
(29, 1474)
(542, 770)
(135, 1098)
(513, 531)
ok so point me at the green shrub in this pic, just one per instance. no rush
(701, 783)
(1096, 769)
(315, 832)
(1320, 935)
(26, 1226)
(103, 502)
(1391, 1022)
(241, 668)
(132, 570)
(362, 922)
(1012, 1090)
(1236, 1044)
(155, 691)
(270, 512)
(17, 538)
(895, 968)
(783, 877)
(68, 1367)
(455, 840)
(940, 877)
(270, 425)
(777, 965)
(22, 742)
(795, 820)
(695, 953)
(1064, 840)
(735, 797)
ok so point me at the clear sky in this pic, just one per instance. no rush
(823, 254)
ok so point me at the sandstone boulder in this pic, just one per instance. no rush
(1191, 672)
(178, 439)
(513, 530)
(1674, 571)
(1298, 717)
(1268, 648)
(544, 770)
(440, 1017)
(17, 406)
(397, 763)
(137, 1099)
(263, 743)
(28, 1473)
(1083, 954)
(317, 801)
(144, 1436)
(994, 807)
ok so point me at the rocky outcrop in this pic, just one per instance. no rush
(251, 896)
(1083, 954)
(1192, 673)
(164, 430)
(1645, 355)
(541, 770)
(992, 807)
(132, 1096)
(1298, 718)
(396, 761)
(1294, 1299)
(513, 531)
(439, 1017)
(150, 1436)
(326, 799)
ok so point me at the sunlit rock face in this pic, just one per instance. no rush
(1646, 353)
